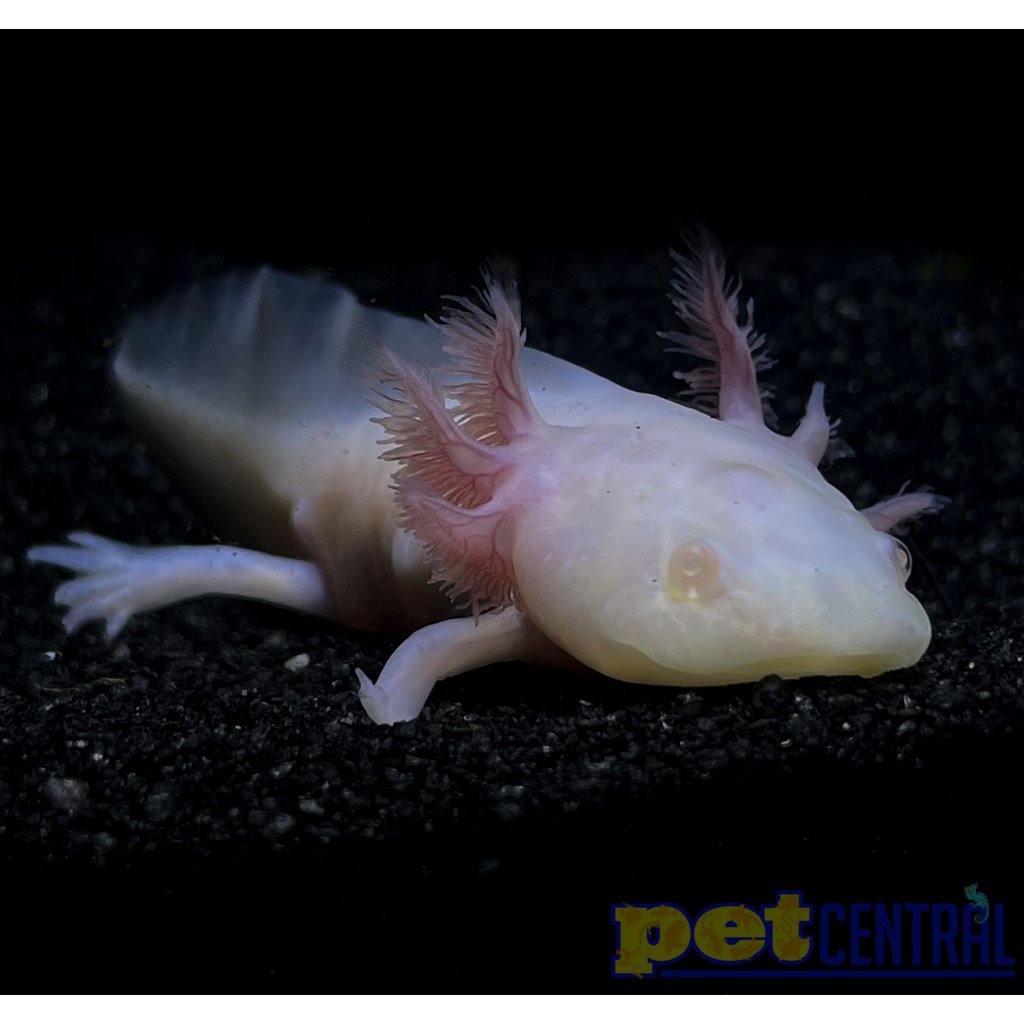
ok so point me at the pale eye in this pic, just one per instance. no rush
(693, 573)
(901, 558)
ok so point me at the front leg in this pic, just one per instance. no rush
(449, 648)
(116, 581)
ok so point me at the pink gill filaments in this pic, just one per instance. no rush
(449, 488)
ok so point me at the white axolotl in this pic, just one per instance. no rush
(577, 522)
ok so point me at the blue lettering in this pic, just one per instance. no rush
(1002, 960)
(858, 933)
(888, 935)
(916, 911)
(944, 934)
(974, 934)
(828, 958)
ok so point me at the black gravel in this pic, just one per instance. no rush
(184, 808)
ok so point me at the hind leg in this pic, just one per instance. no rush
(116, 581)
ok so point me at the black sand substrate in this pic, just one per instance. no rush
(183, 810)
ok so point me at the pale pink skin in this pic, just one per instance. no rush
(567, 515)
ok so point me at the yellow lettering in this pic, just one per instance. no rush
(788, 945)
(650, 935)
(729, 934)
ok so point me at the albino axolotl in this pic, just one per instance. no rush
(522, 508)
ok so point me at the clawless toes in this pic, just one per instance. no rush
(116, 581)
(449, 648)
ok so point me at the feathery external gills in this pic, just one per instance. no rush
(447, 487)
(708, 306)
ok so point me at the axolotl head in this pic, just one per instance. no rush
(653, 542)
(693, 552)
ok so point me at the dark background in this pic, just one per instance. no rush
(223, 823)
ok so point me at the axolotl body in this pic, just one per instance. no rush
(504, 504)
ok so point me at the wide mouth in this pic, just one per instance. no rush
(622, 661)
(826, 664)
